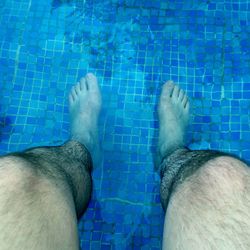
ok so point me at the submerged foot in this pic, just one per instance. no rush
(84, 107)
(173, 112)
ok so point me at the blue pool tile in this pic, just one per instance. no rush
(133, 47)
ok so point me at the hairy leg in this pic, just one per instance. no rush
(209, 202)
(205, 193)
(68, 167)
(43, 191)
(176, 167)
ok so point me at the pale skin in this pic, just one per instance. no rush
(43, 191)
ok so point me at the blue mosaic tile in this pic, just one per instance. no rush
(133, 46)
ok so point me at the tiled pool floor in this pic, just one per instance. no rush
(133, 46)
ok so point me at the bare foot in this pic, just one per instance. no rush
(84, 106)
(173, 112)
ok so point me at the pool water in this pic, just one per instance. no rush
(133, 46)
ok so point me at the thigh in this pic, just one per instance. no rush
(210, 208)
(179, 166)
(34, 213)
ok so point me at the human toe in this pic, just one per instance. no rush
(77, 88)
(167, 89)
(83, 84)
(181, 95)
(176, 92)
(91, 82)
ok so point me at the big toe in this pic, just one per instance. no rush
(167, 90)
(92, 82)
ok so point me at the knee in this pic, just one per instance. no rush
(14, 174)
(223, 175)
